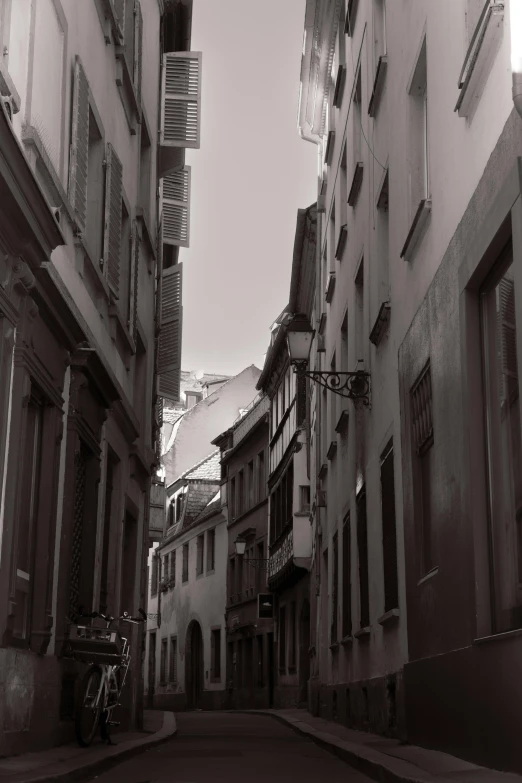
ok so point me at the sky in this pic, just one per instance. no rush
(249, 178)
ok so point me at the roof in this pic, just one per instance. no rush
(196, 502)
(208, 469)
(214, 507)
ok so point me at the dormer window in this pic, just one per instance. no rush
(192, 398)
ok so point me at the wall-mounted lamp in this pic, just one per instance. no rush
(255, 562)
(299, 336)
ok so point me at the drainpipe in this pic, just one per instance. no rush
(516, 52)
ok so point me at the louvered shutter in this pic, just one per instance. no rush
(112, 228)
(79, 153)
(138, 49)
(134, 281)
(181, 99)
(507, 338)
(176, 208)
(169, 359)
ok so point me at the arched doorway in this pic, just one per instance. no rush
(304, 656)
(194, 666)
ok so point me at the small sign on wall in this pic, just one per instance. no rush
(265, 606)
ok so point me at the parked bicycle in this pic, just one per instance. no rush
(108, 656)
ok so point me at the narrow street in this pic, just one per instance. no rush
(213, 746)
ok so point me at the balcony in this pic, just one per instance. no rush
(291, 554)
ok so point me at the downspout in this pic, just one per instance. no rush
(516, 52)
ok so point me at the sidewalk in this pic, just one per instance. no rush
(383, 759)
(68, 763)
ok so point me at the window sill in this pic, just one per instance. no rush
(95, 270)
(126, 89)
(200, 576)
(378, 85)
(499, 637)
(417, 229)
(334, 646)
(389, 618)
(479, 59)
(292, 669)
(347, 640)
(215, 679)
(332, 450)
(363, 634)
(342, 421)
(323, 470)
(429, 575)
(211, 571)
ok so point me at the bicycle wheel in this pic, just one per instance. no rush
(87, 713)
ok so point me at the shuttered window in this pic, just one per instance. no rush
(389, 530)
(507, 344)
(362, 547)
(138, 50)
(176, 207)
(79, 151)
(347, 578)
(169, 360)
(113, 219)
(134, 281)
(422, 418)
(181, 100)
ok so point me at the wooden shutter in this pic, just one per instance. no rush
(134, 281)
(169, 360)
(79, 152)
(112, 227)
(181, 99)
(389, 531)
(138, 49)
(176, 208)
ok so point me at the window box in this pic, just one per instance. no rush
(381, 322)
(330, 287)
(378, 85)
(417, 229)
(341, 242)
(389, 618)
(332, 449)
(356, 184)
(482, 51)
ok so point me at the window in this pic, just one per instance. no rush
(291, 636)
(163, 661)
(240, 493)
(192, 398)
(357, 120)
(418, 141)
(171, 514)
(504, 444)
(200, 548)
(239, 575)
(185, 573)
(179, 506)
(172, 576)
(260, 572)
(145, 193)
(359, 312)
(260, 662)
(232, 498)
(282, 639)
(211, 549)
(166, 570)
(347, 578)
(215, 654)
(239, 663)
(421, 403)
(335, 582)
(125, 261)
(304, 499)
(95, 185)
(383, 242)
(251, 487)
(173, 660)
(25, 541)
(261, 476)
(362, 547)
(154, 576)
(232, 579)
(389, 530)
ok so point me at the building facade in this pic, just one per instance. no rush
(417, 269)
(185, 653)
(250, 637)
(80, 297)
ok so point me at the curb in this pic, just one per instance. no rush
(76, 772)
(364, 760)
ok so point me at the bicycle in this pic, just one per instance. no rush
(108, 656)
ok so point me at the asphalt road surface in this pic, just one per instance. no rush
(211, 747)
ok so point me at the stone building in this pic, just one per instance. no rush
(418, 284)
(81, 289)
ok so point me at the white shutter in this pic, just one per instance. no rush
(79, 152)
(176, 208)
(181, 99)
(169, 359)
(112, 228)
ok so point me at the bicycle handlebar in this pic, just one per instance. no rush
(125, 617)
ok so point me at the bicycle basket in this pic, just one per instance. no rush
(95, 645)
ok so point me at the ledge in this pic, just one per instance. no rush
(363, 633)
(348, 639)
(378, 85)
(356, 184)
(482, 51)
(381, 322)
(334, 646)
(499, 637)
(429, 575)
(389, 618)
(417, 229)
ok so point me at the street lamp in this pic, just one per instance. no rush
(255, 562)
(299, 337)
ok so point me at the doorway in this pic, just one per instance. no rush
(194, 666)
(304, 657)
